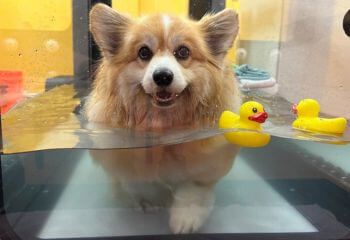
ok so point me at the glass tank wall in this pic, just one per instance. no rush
(297, 187)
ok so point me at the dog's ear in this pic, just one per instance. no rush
(108, 28)
(220, 31)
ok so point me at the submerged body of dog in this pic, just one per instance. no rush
(158, 73)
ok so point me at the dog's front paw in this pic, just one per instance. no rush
(187, 219)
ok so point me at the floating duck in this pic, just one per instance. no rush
(308, 110)
(251, 115)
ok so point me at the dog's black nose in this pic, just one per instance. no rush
(163, 77)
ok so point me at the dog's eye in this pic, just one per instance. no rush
(255, 110)
(145, 53)
(182, 53)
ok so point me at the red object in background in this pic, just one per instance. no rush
(11, 87)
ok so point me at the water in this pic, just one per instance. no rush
(289, 188)
(47, 121)
(279, 189)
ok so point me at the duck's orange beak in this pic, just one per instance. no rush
(259, 117)
(294, 108)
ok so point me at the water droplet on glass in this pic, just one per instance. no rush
(51, 45)
(241, 53)
(10, 44)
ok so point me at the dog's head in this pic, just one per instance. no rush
(162, 63)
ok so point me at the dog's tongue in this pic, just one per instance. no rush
(164, 95)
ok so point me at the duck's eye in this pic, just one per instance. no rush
(255, 110)
(145, 53)
(182, 53)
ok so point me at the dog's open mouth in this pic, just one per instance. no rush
(164, 98)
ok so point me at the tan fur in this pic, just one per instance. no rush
(118, 100)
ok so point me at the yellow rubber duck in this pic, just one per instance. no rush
(251, 115)
(307, 111)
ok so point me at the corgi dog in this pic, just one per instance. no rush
(157, 73)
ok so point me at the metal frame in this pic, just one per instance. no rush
(85, 49)
(95, 52)
(197, 8)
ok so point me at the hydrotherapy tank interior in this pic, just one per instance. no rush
(296, 187)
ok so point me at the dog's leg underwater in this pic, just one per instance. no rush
(192, 205)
